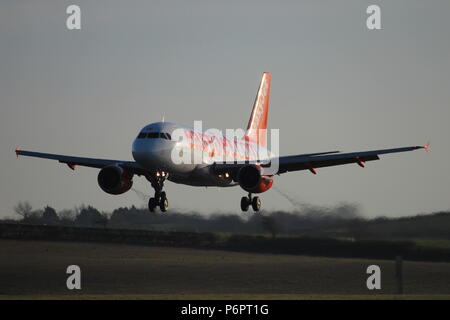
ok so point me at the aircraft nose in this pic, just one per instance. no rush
(152, 153)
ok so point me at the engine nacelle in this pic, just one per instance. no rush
(114, 180)
(251, 179)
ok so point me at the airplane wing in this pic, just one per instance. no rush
(72, 162)
(312, 161)
(295, 163)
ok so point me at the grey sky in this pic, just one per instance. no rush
(336, 85)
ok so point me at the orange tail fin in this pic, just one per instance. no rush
(257, 124)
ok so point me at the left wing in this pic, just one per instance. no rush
(72, 162)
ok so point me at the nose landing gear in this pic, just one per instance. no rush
(158, 201)
(255, 202)
(160, 198)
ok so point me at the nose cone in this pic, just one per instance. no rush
(152, 153)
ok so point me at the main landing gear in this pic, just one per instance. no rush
(160, 198)
(255, 202)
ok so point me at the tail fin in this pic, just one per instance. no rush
(257, 124)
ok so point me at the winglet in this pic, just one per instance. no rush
(17, 151)
(426, 147)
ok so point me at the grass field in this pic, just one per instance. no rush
(37, 270)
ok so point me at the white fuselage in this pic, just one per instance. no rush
(160, 147)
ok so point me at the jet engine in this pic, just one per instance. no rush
(114, 180)
(251, 179)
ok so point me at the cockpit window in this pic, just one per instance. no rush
(141, 135)
(155, 135)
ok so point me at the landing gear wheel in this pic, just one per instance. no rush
(256, 204)
(245, 203)
(152, 204)
(163, 203)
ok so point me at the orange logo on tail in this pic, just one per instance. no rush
(257, 125)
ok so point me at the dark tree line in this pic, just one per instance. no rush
(132, 217)
(85, 216)
(339, 222)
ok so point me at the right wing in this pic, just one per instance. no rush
(312, 161)
(301, 162)
(72, 162)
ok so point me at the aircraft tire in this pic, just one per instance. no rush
(245, 203)
(256, 204)
(164, 204)
(152, 204)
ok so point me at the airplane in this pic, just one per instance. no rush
(155, 145)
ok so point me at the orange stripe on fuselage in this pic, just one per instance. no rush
(219, 146)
